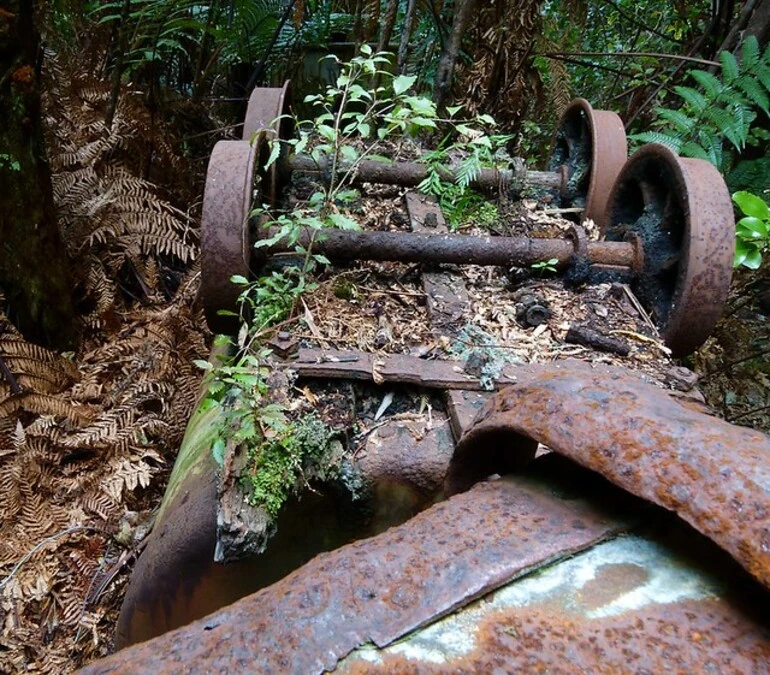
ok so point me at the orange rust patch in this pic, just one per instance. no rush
(610, 582)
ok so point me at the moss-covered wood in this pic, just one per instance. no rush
(34, 270)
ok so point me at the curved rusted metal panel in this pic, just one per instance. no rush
(714, 475)
(379, 589)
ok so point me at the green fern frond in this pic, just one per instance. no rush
(693, 97)
(712, 144)
(763, 75)
(730, 69)
(754, 92)
(658, 137)
(682, 122)
(709, 82)
(692, 149)
(749, 53)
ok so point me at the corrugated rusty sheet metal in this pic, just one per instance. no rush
(637, 604)
(379, 589)
(714, 475)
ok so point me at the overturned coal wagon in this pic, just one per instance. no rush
(507, 470)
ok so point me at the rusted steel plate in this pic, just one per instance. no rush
(225, 240)
(637, 604)
(405, 463)
(714, 475)
(681, 211)
(448, 303)
(592, 144)
(356, 365)
(379, 589)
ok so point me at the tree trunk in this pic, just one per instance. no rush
(387, 27)
(759, 23)
(446, 65)
(406, 34)
(34, 269)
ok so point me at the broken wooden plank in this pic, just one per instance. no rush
(447, 299)
(392, 368)
(462, 408)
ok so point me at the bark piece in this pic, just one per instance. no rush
(588, 337)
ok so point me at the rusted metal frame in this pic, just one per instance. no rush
(514, 182)
(379, 589)
(447, 297)
(339, 245)
(714, 475)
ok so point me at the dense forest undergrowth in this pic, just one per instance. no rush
(87, 438)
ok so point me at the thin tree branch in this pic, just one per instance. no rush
(587, 64)
(655, 55)
(636, 22)
(117, 72)
(732, 418)
(269, 49)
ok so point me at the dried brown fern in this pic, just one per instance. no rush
(499, 79)
(92, 435)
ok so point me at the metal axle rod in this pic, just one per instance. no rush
(517, 181)
(341, 245)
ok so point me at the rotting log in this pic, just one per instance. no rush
(34, 268)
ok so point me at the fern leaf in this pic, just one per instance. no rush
(683, 123)
(693, 149)
(749, 53)
(712, 143)
(730, 67)
(658, 137)
(763, 75)
(749, 85)
(709, 82)
(693, 97)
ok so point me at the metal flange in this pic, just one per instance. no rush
(681, 211)
(267, 112)
(231, 180)
(592, 145)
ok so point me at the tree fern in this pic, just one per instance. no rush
(714, 120)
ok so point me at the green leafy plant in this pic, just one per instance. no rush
(473, 147)
(355, 114)
(715, 119)
(283, 453)
(752, 232)
(546, 265)
(9, 162)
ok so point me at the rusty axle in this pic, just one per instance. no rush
(516, 181)
(340, 245)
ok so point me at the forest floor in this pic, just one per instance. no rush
(87, 447)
